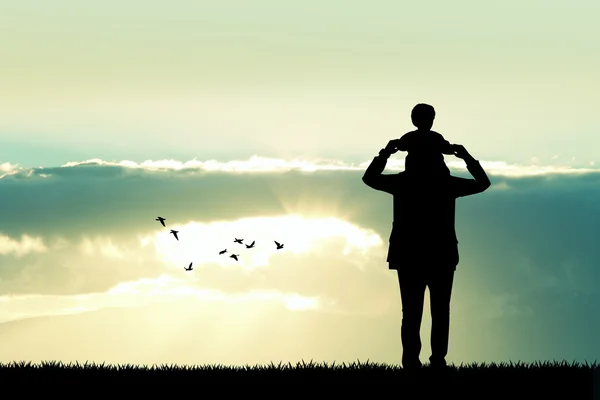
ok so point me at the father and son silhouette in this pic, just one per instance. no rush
(423, 246)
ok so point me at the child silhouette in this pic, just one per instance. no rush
(425, 147)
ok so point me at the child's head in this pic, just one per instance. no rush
(422, 116)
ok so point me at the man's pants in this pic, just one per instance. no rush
(412, 292)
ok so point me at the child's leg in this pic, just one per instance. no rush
(438, 165)
(426, 164)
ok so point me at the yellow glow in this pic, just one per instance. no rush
(139, 293)
(201, 243)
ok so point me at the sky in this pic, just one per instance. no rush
(256, 120)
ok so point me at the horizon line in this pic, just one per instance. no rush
(260, 164)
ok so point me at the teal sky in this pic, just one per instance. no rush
(243, 94)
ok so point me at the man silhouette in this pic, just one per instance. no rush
(423, 246)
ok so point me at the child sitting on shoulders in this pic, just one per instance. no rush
(426, 148)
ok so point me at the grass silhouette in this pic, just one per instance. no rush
(546, 380)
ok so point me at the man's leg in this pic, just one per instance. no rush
(412, 293)
(440, 291)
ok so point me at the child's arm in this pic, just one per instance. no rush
(402, 143)
(446, 146)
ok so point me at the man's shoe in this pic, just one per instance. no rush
(412, 366)
(437, 362)
(438, 366)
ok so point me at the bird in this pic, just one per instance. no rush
(279, 245)
(249, 246)
(190, 267)
(234, 256)
(162, 221)
(238, 240)
(223, 252)
(174, 234)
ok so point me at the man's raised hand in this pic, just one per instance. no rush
(392, 146)
(461, 152)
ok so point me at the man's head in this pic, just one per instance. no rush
(422, 116)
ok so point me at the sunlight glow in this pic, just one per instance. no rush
(139, 293)
(201, 242)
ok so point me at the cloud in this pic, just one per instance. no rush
(106, 213)
(94, 195)
(142, 292)
(10, 169)
(102, 246)
(253, 164)
(258, 164)
(26, 245)
(201, 242)
(67, 267)
(316, 253)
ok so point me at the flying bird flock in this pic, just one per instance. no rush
(278, 245)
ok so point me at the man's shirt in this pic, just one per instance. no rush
(423, 230)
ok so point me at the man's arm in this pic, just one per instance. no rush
(373, 176)
(467, 187)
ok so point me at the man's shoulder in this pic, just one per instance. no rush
(398, 179)
(457, 179)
